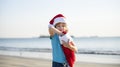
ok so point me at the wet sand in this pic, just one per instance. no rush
(13, 61)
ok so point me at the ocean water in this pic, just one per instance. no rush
(26, 42)
(101, 49)
(104, 45)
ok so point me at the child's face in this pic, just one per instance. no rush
(61, 27)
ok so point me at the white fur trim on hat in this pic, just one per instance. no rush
(59, 19)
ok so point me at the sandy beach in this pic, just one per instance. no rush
(13, 61)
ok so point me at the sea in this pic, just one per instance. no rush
(90, 49)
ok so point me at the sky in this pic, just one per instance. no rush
(30, 18)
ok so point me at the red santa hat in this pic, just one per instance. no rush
(58, 18)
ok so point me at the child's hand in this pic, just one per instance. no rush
(69, 45)
(50, 26)
(66, 44)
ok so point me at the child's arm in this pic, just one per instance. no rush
(68, 42)
(70, 45)
(54, 30)
(51, 32)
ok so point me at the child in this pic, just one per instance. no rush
(58, 25)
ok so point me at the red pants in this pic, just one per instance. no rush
(70, 55)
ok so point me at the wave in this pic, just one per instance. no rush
(80, 51)
(26, 49)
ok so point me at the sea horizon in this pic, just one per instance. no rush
(47, 36)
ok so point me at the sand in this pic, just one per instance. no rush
(13, 61)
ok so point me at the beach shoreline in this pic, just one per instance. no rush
(16, 61)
